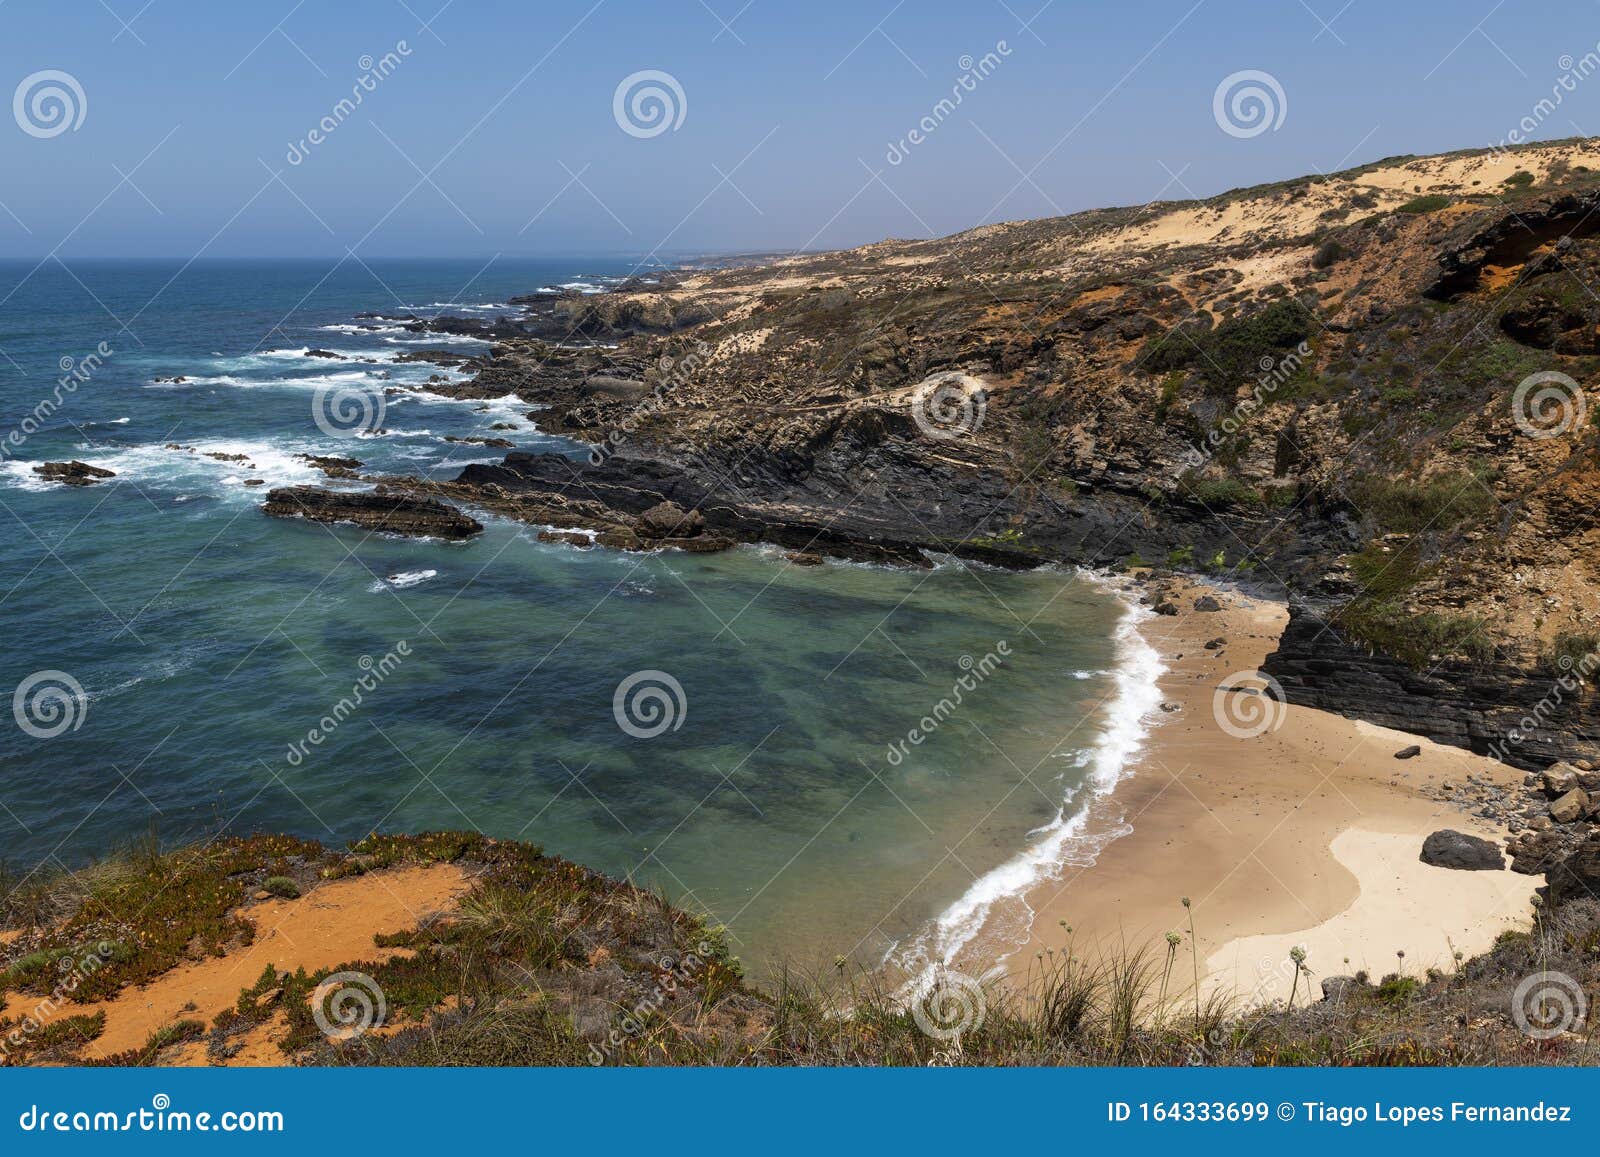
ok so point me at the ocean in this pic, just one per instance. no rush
(837, 760)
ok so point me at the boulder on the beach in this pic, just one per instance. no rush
(1165, 607)
(1452, 849)
(1558, 779)
(1577, 875)
(1207, 603)
(1570, 807)
(72, 473)
(1409, 752)
(1216, 644)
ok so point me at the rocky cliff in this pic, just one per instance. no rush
(1369, 389)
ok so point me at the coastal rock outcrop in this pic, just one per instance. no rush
(375, 510)
(73, 473)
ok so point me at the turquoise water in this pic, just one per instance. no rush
(209, 640)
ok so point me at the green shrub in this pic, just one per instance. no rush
(1327, 254)
(1428, 203)
(282, 886)
(1231, 354)
(1519, 179)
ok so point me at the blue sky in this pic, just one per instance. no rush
(495, 132)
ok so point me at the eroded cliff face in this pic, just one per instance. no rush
(1371, 389)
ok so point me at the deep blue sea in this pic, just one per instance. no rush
(208, 640)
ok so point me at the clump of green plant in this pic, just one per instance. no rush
(1438, 504)
(282, 886)
(1328, 253)
(1519, 179)
(1220, 492)
(1575, 653)
(1427, 203)
(1234, 352)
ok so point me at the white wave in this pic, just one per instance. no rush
(403, 579)
(438, 338)
(349, 327)
(1066, 840)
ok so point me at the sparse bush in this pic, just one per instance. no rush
(1428, 203)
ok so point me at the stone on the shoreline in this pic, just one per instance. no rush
(1164, 607)
(72, 473)
(1409, 752)
(1452, 849)
(1214, 644)
(1207, 603)
(1570, 807)
(669, 520)
(804, 558)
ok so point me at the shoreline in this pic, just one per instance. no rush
(1301, 830)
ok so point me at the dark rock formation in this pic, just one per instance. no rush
(375, 510)
(1207, 603)
(72, 473)
(1452, 849)
(1453, 702)
(1408, 752)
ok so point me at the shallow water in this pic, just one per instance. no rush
(210, 640)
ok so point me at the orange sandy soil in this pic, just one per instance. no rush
(332, 924)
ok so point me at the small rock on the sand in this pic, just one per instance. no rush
(1165, 608)
(1172, 707)
(1408, 752)
(1207, 603)
(1219, 641)
(1451, 849)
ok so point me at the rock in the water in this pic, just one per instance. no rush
(1452, 849)
(1570, 807)
(804, 558)
(570, 537)
(73, 473)
(1207, 603)
(1408, 752)
(376, 510)
(669, 520)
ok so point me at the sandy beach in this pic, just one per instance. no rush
(1307, 833)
